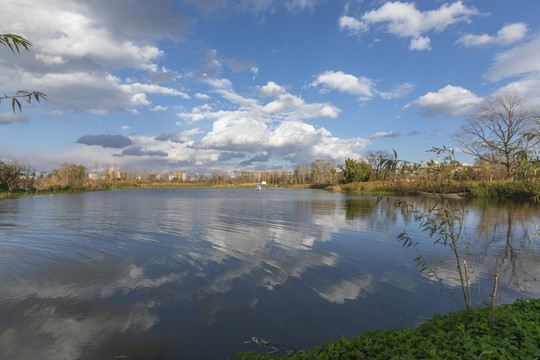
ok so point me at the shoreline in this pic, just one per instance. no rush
(496, 190)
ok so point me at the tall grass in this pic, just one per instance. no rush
(405, 187)
(504, 190)
(473, 189)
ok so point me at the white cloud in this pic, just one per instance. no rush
(507, 35)
(511, 33)
(253, 7)
(159, 108)
(202, 96)
(397, 91)
(338, 80)
(283, 103)
(310, 111)
(405, 20)
(179, 136)
(275, 127)
(216, 83)
(420, 43)
(292, 106)
(156, 89)
(519, 60)
(236, 130)
(64, 32)
(50, 59)
(77, 45)
(384, 134)
(529, 87)
(271, 89)
(197, 113)
(237, 99)
(82, 91)
(11, 117)
(451, 100)
(352, 25)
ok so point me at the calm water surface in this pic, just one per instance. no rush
(196, 273)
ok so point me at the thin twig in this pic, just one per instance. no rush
(493, 300)
(468, 297)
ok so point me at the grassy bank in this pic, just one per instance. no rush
(456, 335)
(105, 186)
(471, 189)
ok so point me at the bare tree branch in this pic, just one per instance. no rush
(497, 132)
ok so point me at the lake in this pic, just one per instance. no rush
(196, 273)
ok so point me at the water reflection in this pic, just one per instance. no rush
(148, 273)
(499, 239)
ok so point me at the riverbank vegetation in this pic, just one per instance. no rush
(478, 181)
(515, 334)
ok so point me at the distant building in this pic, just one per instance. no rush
(42, 175)
(180, 176)
(117, 175)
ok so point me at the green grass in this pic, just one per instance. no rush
(504, 190)
(404, 187)
(500, 190)
(456, 335)
(102, 186)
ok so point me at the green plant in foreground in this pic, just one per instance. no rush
(442, 223)
(456, 335)
(445, 225)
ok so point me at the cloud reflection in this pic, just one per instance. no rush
(348, 289)
(53, 332)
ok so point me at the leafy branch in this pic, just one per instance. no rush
(445, 225)
(16, 43)
(24, 95)
(441, 223)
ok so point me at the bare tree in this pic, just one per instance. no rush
(499, 132)
(71, 176)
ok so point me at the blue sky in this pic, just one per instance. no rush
(216, 85)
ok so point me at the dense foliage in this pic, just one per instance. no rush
(356, 171)
(457, 335)
(13, 176)
(69, 176)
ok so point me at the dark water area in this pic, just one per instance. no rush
(196, 273)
